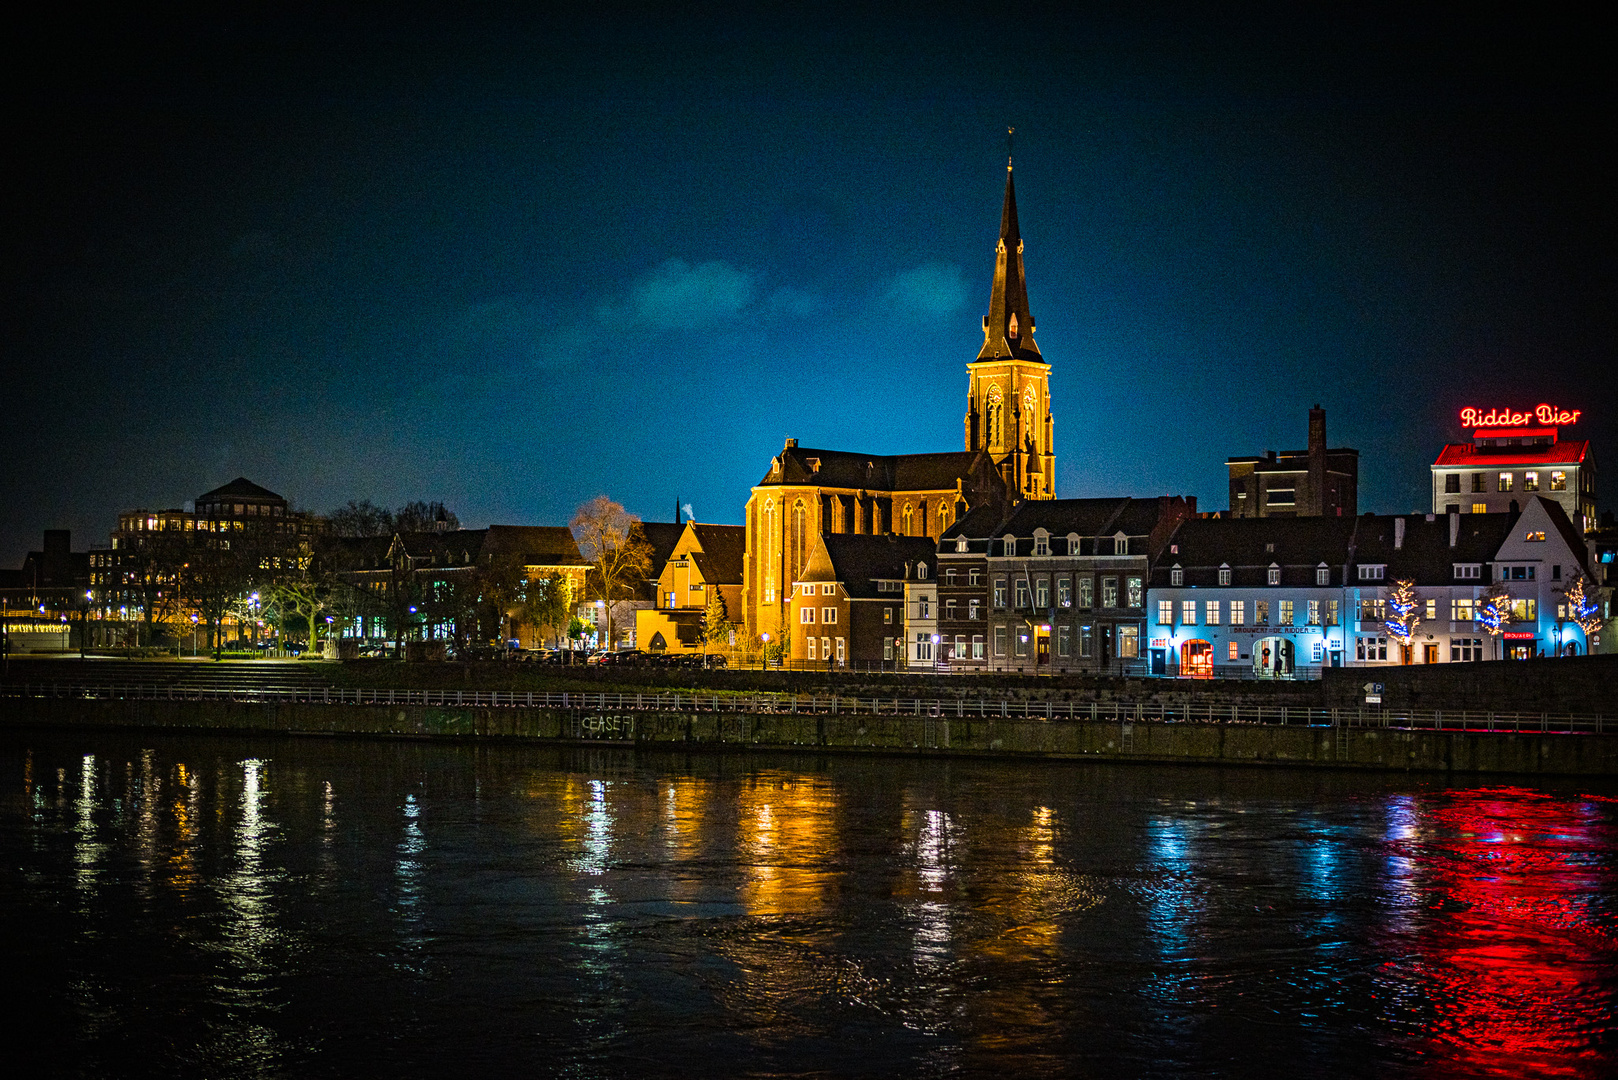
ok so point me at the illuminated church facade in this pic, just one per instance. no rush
(807, 493)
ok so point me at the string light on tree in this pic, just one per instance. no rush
(1403, 612)
(1582, 607)
(1494, 611)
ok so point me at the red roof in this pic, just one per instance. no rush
(1467, 455)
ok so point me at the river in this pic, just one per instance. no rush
(221, 906)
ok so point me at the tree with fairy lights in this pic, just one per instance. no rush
(1493, 612)
(1404, 613)
(1583, 608)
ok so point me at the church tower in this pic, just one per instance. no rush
(1008, 403)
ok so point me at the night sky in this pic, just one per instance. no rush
(516, 259)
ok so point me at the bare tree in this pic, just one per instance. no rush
(362, 518)
(618, 551)
(425, 517)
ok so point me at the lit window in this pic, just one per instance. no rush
(1536, 536)
(972, 609)
(1314, 613)
(1238, 612)
(1505, 482)
(1261, 612)
(1558, 481)
(1234, 652)
(1086, 592)
(810, 644)
(1286, 614)
(1134, 592)
(1530, 481)
(1064, 592)
(1212, 612)
(977, 646)
(1480, 508)
(1086, 642)
(1165, 613)
(1188, 613)
(1461, 609)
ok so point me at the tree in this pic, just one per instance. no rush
(362, 518)
(1494, 612)
(716, 625)
(1404, 613)
(612, 542)
(425, 517)
(547, 604)
(1583, 608)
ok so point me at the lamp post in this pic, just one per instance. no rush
(84, 625)
(193, 635)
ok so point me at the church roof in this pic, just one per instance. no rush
(873, 472)
(859, 561)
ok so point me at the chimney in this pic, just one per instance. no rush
(1398, 533)
(1316, 504)
(792, 444)
(1454, 528)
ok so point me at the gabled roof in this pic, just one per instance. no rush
(1249, 547)
(663, 536)
(977, 525)
(1469, 456)
(239, 488)
(1425, 555)
(720, 559)
(534, 545)
(859, 561)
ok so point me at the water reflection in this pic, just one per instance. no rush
(607, 915)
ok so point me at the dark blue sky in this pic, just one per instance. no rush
(513, 260)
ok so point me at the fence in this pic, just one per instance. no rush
(1150, 712)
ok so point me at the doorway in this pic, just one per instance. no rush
(1272, 658)
(1196, 660)
(1042, 648)
(1429, 653)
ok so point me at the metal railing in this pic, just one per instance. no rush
(980, 709)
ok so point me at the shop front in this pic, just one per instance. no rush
(1521, 645)
(1273, 658)
(1196, 659)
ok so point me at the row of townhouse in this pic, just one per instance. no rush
(1146, 586)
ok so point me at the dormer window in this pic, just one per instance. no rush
(1373, 571)
(1008, 546)
(960, 545)
(813, 463)
(1273, 575)
(1322, 574)
(1072, 543)
(1176, 576)
(1042, 542)
(921, 571)
(1012, 328)
(1224, 574)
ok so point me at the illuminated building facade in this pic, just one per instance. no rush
(1317, 482)
(1513, 458)
(704, 560)
(1063, 584)
(848, 609)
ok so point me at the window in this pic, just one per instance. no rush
(1373, 610)
(1134, 593)
(976, 577)
(1517, 573)
(1086, 592)
(887, 648)
(1323, 575)
(806, 614)
(1120, 546)
(1465, 650)
(810, 645)
(960, 646)
(668, 599)
(1261, 612)
(1064, 592)
(1331, 613)
(1505, 481)
(977, 646)
(1468, 571)
(1314, 613)
(1524, 610)
(1480, 508)
(1238, 612)
(1530, 481)
(972, 609)
(949, 610)
(1000, 592)
(839, 650)
(1064, 646)
(1224, 575)
(1477, 485)
(1072, 544)
(924, 647)
(828, 590)
(1212, 613)
(1372, 571)
(1042, 593)
(1535, 536)
(1188, 613)
(1177, 577)
(1371, 648)
(887, 614)
(1285, 618)
(828, 615)
(1128, 642)
(1460, 609)
(1452, 483)
(1008, 546)
(1087, 642)
(921, 571)
(1022, 592)
(1273, 575)
(1109, 592)
(1019, 643)
(960, 545)
(949, 577)
(1558, 481)
(1165, 613)
(923, 608)
(1431, 610)
(1234, 652)
(1556, 572)
(999, 641)
(825, 648)
(1042, 544)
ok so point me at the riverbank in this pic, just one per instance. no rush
(1339, 747)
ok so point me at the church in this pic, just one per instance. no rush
(809, 493)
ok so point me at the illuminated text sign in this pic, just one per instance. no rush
(1543, 414)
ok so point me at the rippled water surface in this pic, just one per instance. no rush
(226, 907)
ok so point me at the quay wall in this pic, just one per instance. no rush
(1466, 752)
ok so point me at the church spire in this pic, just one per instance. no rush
(1008, 328)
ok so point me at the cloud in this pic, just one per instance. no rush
(506, 331)
(680, 296)
(929, 291)
(792, 303)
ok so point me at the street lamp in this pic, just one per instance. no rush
(193, 635)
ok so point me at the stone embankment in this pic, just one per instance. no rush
(1337, 746)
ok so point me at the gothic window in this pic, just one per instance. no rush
(943, 519)
(798, 533)
(909, 520)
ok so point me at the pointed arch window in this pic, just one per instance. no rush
(799, 531)
(909, 521)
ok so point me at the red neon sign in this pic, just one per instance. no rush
(1543, 414)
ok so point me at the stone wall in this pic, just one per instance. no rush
(1580, 684)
